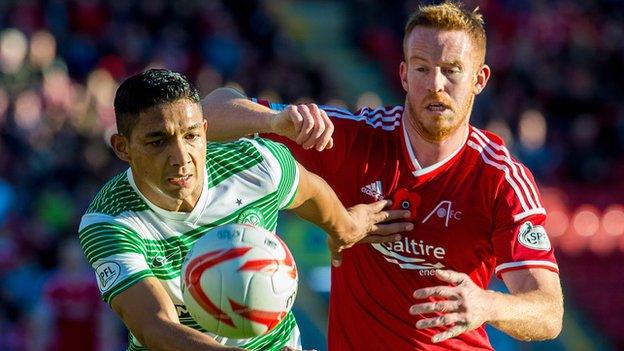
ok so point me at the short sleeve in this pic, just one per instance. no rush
(282, 167)
(116, 253)
(520, 240)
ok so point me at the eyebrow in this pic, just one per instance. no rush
(160, 133)
(450, 63)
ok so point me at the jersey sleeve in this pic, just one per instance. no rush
(116, 253)
(282, 168)
(520, 240)
(328, 162)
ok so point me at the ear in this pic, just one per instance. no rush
(403, 74)
(121, 146)
(483, 75)
(205, 126)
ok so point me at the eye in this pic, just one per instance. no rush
(157, 143)
(192, 136)
(421, 69)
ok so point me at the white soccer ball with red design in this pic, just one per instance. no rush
(239, 281)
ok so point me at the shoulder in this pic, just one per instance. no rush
(241, 154)
(381, 118)
(492, 151)
(115, 197)
(245, 156)
(515, 181)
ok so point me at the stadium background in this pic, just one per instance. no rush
(555, 96)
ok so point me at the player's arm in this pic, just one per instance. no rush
(231, 115)
(316, 202)
(532, 311)
(150, 315)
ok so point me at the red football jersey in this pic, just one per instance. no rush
(478, 212)
(76, 306)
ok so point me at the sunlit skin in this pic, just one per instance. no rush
(167, 154)
(441, 76)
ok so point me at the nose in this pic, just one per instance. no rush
(436, 80)
(178, 154)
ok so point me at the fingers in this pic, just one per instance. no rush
(312, 127)
(334, 250)
(390, 215)
(447, 292)
(336, 261)
(439, 321)
(380, 239)
(452, 277)
(436, 306)
(391, 228)
(377, 206)
(325, 139)
(307, 124)
(451, 333)
(317, 128)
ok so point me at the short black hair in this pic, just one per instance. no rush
(147, 89)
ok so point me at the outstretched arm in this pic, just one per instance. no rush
(316, 202)
(149, 313)
(231, 115)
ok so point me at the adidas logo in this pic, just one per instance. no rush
(373, 189)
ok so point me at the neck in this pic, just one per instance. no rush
(430, 152)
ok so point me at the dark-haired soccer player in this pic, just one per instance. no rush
(476, 210)
(141, 224)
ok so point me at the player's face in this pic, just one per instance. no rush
(167, 154)
(441, 76)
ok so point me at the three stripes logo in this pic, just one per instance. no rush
(374, 189)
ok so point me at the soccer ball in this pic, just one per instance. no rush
(239, 281)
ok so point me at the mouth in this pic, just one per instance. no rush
(181, 180)
(437, 107)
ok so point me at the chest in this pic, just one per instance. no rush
(452, 213)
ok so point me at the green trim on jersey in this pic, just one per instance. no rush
(125, 284)
(274, 340)
(226, 159)
(103, 239)
(288, 165)
(117, 196)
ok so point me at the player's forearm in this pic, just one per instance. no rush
(231, 115)
(169, 335)
(534, 315)
(323, 208)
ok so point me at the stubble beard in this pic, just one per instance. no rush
(436, 133)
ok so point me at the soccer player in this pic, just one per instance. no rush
(141, 224)
(476, 210)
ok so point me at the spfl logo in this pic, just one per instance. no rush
(444, 210)
(533, 236)
(107, 273)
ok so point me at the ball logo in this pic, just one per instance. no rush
(534, 237)
(107, 273)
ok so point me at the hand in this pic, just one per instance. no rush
(466, 307)
(307, 125)
(368, 227)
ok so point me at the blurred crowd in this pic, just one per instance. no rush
(557, 68)
(556, 88)
(60, 64)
